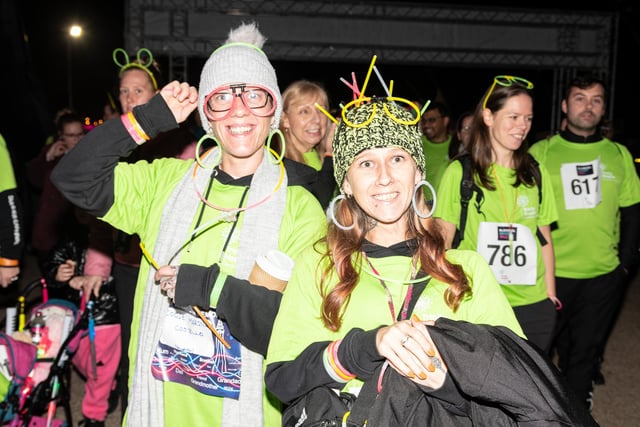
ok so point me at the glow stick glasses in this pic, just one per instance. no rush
(359, 98)
(504, 80)
(377, 101)
(218, 104)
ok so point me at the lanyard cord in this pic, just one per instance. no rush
(206, 196)
(503, 197)
(199, 229)
(407, 299)
(233, 227)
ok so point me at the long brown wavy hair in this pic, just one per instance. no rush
(344, 253)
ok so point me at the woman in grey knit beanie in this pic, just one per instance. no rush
(200, 329)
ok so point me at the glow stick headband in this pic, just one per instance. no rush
(138, 63)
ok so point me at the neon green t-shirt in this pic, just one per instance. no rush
(312, 158)
(591, 181)
(139, 190)
(509, 206)
(436, 156)
(299, 323)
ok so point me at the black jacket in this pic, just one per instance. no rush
(495, 378)
(106, 304)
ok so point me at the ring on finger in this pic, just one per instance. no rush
(404, 340)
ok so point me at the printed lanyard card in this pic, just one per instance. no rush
(188, 353)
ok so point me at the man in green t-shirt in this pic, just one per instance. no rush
(597, 195)
(436, 140)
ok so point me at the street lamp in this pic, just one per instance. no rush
(75, 31)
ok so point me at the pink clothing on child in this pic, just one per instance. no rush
(96, 390)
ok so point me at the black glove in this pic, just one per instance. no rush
(194, 285)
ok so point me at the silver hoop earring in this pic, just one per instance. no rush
(415, 204)
(332, 214)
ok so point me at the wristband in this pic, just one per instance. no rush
(6, 262)
(133, 127)
(556, 302)
(332, 357)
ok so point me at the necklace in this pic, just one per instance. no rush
(231, 212)
(511, 230)
(504, 198)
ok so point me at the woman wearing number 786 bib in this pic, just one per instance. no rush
(511, 209)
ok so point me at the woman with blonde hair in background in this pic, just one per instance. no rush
(307, 134)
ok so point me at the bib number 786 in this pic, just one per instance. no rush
(507, 255)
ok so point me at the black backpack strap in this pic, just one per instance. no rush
(537, 175)
(467, 187)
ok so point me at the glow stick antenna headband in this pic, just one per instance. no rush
(138, 63)
(370, 122)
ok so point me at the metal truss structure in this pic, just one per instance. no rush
(565, 42)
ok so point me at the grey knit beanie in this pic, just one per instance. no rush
(382, 131)
(239, 60)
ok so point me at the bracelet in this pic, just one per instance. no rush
(556, 302)
(332, 351)
(133, 127)
(6, 262)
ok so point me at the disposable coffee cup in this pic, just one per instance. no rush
(272, 270)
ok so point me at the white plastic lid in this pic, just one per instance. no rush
(276, 263)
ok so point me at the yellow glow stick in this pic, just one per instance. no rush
(148, 256)
(326, 113)
(366, 80)
(22, 319)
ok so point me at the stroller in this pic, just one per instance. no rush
(37, 357)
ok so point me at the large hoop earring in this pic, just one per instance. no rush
(415, 204)
(214, 163)
(332, 214)
(278, 159)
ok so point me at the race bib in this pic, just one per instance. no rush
(188, 353)
(581, 185)
(510, 251)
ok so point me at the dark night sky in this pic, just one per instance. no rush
(94, 73)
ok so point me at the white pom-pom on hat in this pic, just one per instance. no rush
(246, 33)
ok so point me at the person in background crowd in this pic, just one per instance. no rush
(65, 271)
(436, 141)
(305, 128)
(213, 218)
(462, 141)
(596, 189)
(511, 225)
(54, 217)
(11, 220)
(114, 253)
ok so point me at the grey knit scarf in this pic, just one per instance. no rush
(259, 233)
